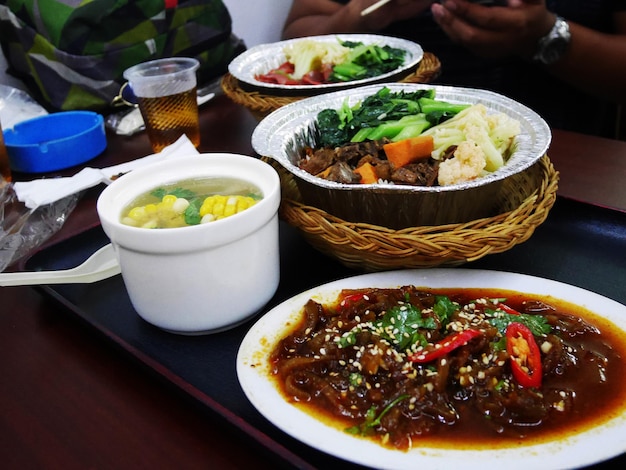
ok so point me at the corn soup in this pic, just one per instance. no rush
(191, 202)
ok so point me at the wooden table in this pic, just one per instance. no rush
(70, 399)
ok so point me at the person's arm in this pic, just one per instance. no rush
(317, 17)
(593, 62)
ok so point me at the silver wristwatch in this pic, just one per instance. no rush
(553, 45)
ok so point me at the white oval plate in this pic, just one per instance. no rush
(265, 57)
(592, 446)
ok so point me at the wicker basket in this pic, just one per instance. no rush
(260, 105)
(375, 248)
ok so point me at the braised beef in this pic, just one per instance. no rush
(317, 161)
(469, 394)
(340, 172)
(417, 174)
(338, 164)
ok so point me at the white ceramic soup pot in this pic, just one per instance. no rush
(203, 278)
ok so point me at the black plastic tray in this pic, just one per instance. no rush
(579, 244)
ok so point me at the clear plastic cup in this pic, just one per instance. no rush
(167, 97)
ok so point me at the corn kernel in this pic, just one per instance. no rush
(169, 199)
(231, 206)
(245, 202)
(137, 213)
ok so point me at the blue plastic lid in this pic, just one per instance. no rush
(55, 141)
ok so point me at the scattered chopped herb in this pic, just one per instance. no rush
(399, 326)
(444, 308)
(536, 323)
(178, 192)
(192, 213)
(371, 420)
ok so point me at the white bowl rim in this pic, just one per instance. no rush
(229, 227)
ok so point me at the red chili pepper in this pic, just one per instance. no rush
(446, 345)
(508, 309)
(525, 355)
(351, 299)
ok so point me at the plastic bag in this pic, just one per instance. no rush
(22, 229)
(17, 106)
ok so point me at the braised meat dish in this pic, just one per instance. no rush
(471, 365)
(338, 164)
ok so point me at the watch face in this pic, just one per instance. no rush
(553, 46)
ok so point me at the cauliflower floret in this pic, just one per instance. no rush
(478, 132)
(308, 55)
(502, 130)
(467, 163)
(494, 133)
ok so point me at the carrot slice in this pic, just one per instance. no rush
(367, 171)
(406, 151)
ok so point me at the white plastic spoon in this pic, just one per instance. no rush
(101, 265)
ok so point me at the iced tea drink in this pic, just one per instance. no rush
(167, 96)
(169, 117)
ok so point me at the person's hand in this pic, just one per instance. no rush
(495, 31)
(395, 10)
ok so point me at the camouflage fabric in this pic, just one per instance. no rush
(72, 53)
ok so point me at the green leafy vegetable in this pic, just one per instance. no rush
(365, 61)
(192, 213)
(444, 308)
(536, 323)
(381, 115)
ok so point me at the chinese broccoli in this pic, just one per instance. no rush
(384, 114)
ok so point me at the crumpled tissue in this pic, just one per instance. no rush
(40, 192)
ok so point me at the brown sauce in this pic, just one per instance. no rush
(583, 381)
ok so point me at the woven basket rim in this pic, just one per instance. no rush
(372, 247)
(261, 103)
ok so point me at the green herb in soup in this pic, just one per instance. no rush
(191, 202)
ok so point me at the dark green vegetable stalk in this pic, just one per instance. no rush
(384, 114)
(365, 61)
